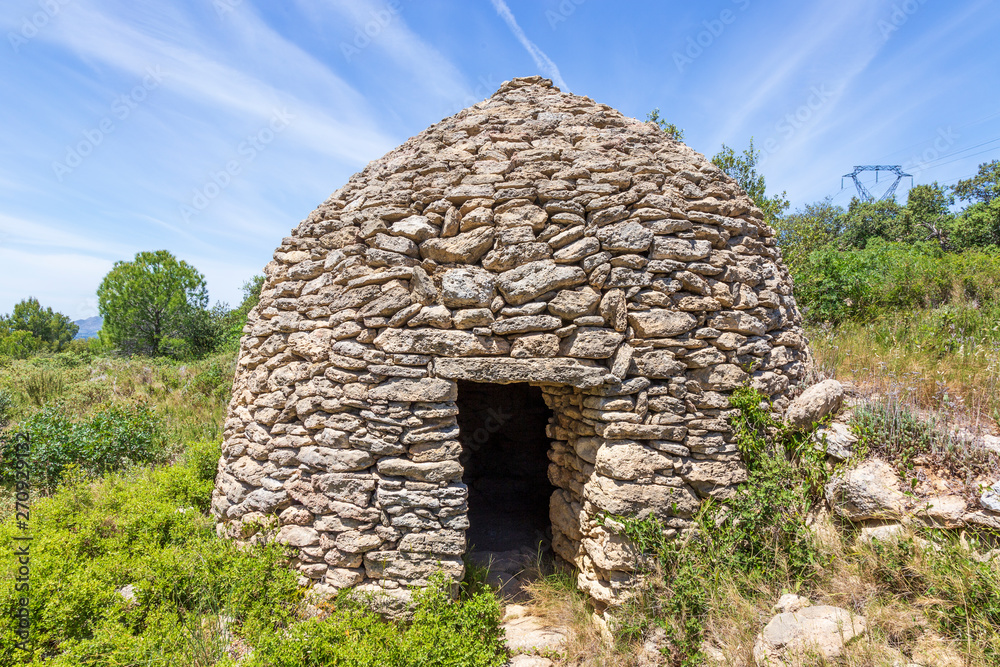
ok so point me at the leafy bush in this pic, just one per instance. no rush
(759, 534)
(7, 407)
(42, 386)
(190, 591)
(216, 380)
(113, 437)
(126, 572)
(442, 633)
(834, 285)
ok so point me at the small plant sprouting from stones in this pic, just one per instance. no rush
(758, 534)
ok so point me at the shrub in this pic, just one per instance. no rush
(190, 591)
(115, 436)
(442, 633)
(7, 407)
(125, 572)
(834, 285)
(897, 434)
(759, 534)
(43, 385)
(216, 380)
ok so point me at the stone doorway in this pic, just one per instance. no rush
(505, 467)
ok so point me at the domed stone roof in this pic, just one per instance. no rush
(536, 237)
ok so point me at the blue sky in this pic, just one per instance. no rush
(210, 128)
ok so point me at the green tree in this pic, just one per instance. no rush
(155, 305)
(52, 328)
(983, 187)
(19, 344)
(672, 130)
(866, 220)
(229, 323)
(804, 231)
(743, 169)
(977, 226)
(926, 215)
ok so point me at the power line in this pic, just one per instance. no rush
(957, 159)
(960, 127)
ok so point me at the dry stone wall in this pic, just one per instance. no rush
(535, 237)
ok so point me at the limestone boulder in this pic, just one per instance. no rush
(792, 637)
(530, 634)
(465, 248)
(990, 498)
(570, 304)
(836, 440)
(430, 390)
(468, 287)
(445, 343)
(814, 404)
(591, 343)
(661, 323)
(871, 490)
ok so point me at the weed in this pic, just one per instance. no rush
(43, 386)
(758, 534)
(113, 438)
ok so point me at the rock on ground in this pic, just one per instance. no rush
(791, 636)
(815, 403)
(529, 634)
(868, 491)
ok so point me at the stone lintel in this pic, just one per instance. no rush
(570, 372)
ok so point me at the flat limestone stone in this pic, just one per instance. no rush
(429, 390)
(661, 323)
(530, 634)
(508, 371)
(533, 279)
(439, 342)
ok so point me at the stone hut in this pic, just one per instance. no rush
(525, 318)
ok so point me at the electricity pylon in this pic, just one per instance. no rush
(864, 193)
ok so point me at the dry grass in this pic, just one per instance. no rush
(895, 596)
(920, 361)
(190, 398)
(856, 580)
(557, 601)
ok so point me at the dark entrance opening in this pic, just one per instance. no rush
(505, 460)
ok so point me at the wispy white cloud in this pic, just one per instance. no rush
(63, 281)
(25, 233)
(791, 61)
(542, 61)
(414, 57)
(194, 68)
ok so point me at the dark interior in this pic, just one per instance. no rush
(505, 457)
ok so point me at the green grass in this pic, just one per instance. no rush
(199, 599)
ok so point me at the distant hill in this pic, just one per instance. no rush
(89, 327)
